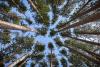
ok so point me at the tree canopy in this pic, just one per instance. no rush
(55, 33)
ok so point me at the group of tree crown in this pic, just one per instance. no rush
(72, 29)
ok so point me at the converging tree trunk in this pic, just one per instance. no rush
(79, 13)
(19, 61)
(84, 55)
(88, 19)
(90, 42)
(6, 25)
(87, 32)
(34, 7)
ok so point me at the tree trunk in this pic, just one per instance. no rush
(51, 59)
(89, 57)
(89, 19)
(6, 25)
(90, 42)
(87, 32)
(19, 61)
(96, 6)
(1, 64)
(93, 54)
(34, 7)
(78, 14)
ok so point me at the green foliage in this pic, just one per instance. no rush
(51, 56)
(43, 9)
(22, 7)
(32, 64)
(24, 43)
(79, 61)
(52, 32)
(4, 7)
(43, 64)
(29, 21)
(5, 36)
(75, 56)
(50, 45)
(37, 57)
(39, 47)
(63, 62)
(42, 31)
(13, 3)
(63, 51)
(7, 58)
(58, 41)
(80, 45)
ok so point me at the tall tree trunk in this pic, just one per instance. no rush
(89, 57)
(88, 19)
(96, 6)
(93, 54)
(19, 61)
(90, 42)
(79, 14)
(6, 25)
(34, 7)
(51, 59)
(1, 59)
(87, 32)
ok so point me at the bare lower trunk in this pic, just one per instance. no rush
(6, 25)
(51, 59)
(87, 32)
(19, 61)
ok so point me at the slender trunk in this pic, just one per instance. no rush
(87, 32)
(51, 59)
(19, 61)
(34, 7)
(89, 19)
(88, 51)
(1, 64)
(78, 14)
(89, 57)
(93, 54)
(10, 15)
(6, 25)
(97, 5)
(90, 42)
(1, 59)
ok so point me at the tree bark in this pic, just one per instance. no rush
(89, 57)
(34, 7)
(90, 42)
(87, 32)
(88, 19)
(78, 14)
(6, 25)
(93, 54)
(19, 61)
(51, 59)
(96, 6)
